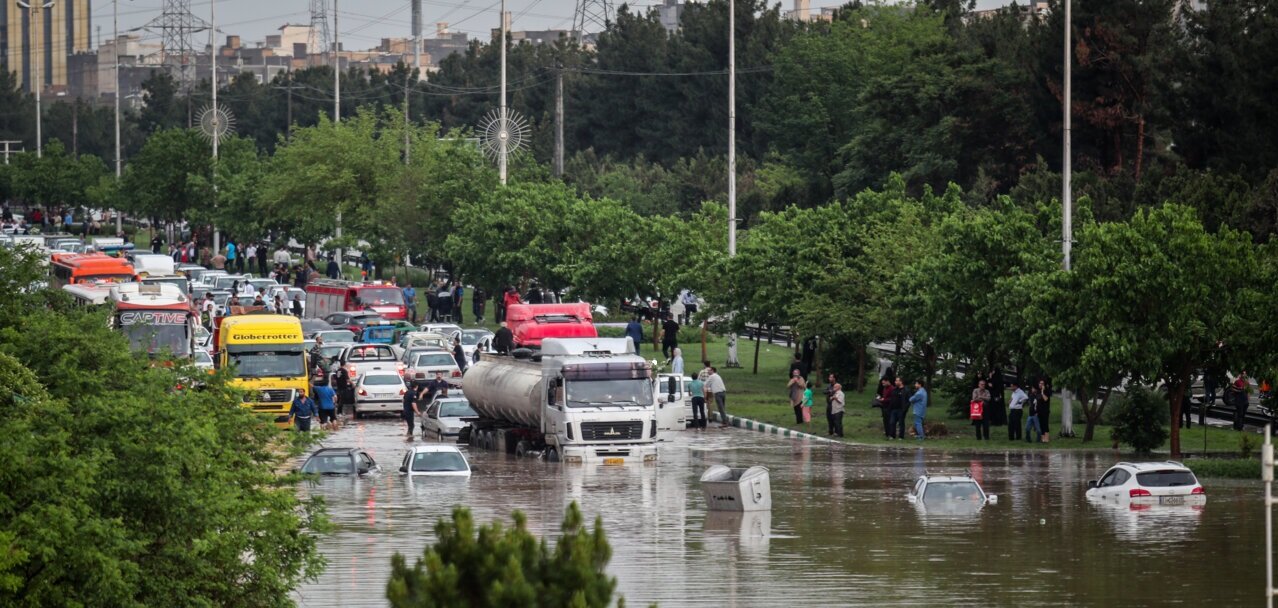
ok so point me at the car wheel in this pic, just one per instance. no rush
(358, 414)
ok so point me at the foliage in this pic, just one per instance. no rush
(117, 492)
(1139, 420)
(498, 566)
(1241, 468)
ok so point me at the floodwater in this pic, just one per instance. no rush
(840, 532)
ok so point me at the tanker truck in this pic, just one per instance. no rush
(575, 400)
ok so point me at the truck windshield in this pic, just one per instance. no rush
(267, 364)
(158, 338)
(381, 296)
(585, 393)
(181, 282)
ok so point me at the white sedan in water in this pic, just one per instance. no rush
(949, 494)
(1147, 484)
(435, 460)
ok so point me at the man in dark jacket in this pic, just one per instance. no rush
(669, 336)
(900, 403)
(634, 331)
(503, 340)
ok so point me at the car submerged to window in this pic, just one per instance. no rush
(435, 461)
(340, 461)
(1146, 484)
(949, 494)
(444, 417)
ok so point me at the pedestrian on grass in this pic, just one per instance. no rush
(477, 302)
(1236, 396)
(796, 386)
(836, 410)
(829, 404)
(669, 336)
(980, 421)
(326, 397)
(883, 401)
(676, 362)
(249, 254)
(301, 412)
(634, 331)
(232, 256)
(459, 295)
(918, 403)
(410, 299)
(900, 403)
(807, 404)
(1045, 409)
(333, 270)
(715, 390)
(1033, 432)
(1015, 411)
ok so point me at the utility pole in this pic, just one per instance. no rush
(559, 122)
(1267, 475)
(7, 143)
(1067, 201)
(217, 236)
(407, 147)
(503, 134)
(115, 44)
(337, 117)
(732, 128)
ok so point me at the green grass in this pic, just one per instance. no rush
(1242, 468)
(763, 397)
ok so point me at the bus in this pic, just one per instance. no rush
(71, 269)
(268, 358)
(155, 318)
(327, 296)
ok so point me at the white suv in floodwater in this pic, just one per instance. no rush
(1147, 484)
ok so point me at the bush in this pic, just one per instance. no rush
(1140, 418)
(1242, 468)
(498, 566)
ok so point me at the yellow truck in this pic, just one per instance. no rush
(268, 359)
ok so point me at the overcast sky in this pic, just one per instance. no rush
(364, 23)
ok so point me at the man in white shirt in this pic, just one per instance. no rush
(282, 257)
(1016, 408)
(676, 363)
(836, 410)
(715, 390)
(209, 309)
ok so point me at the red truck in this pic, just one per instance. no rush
(531, 322)
(326, 296)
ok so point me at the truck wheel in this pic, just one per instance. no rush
(552, 455)
(521, 449)
(463, 436)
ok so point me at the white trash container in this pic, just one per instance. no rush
(729, 489)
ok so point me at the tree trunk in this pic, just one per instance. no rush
(860, 370)
(816, 364)
(757, 336)
(1176, 395)
(896, 359)
(1140, 144)
(1090, 415)
(703, 341)
(929, 369)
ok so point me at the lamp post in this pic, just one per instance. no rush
(38, 83)
(1067, 201)
(115, 45)
(503, 134)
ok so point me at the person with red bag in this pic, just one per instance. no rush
(976, 410)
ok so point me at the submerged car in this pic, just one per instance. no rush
(340, 461)
(379, 391)
(949, 494)
(1148, 484)
(444, 416)
(435, 461)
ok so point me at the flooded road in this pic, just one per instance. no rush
(840, 533)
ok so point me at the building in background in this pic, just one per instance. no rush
(58, 32)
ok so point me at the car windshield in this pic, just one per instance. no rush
(942, 492)
(203, 358)
(267, 364)
(455, 409)
(471, 339)
(1166, 479)
(343, 336)
(328, 464)
(582, 393)
(158, 338)
(381, 296)
(382, 380)
(434, 360)
(438, 462)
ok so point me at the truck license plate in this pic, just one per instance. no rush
(614, 461)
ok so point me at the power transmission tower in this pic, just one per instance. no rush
(319, 41)
(176, 26)
(591, 16)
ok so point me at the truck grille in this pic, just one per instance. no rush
(282, 395)
(611, 431)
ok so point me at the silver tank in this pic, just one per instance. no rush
(506, 389)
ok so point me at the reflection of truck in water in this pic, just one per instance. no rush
(577, 399)
(267, 354)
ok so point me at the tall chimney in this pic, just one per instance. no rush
(801, 10)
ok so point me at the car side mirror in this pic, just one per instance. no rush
(403, 469)
(1091, 484)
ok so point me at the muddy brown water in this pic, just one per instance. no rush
(840, 533)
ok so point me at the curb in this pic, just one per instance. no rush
(772, 429)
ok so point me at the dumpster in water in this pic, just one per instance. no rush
(729, 489)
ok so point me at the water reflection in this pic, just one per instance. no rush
(841, 532)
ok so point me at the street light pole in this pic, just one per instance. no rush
(37, 29)
(217, 235)
(732, 128)
(1067, 200)
(337, 117)
(503, 133)
(115, 20)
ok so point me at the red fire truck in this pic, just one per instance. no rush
(325, 297)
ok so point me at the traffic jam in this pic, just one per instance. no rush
(545, 386)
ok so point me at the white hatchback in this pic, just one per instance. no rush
(1147, 484)
(435, 460)
(445, 416)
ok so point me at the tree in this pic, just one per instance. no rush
(56, 178)
(115, 493)
(495, 566)
(166, 179)
(517, 233)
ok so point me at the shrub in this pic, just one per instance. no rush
(1248, 468)
(499, 566)
(1140, 418)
